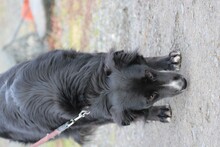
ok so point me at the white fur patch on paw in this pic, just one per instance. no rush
(168, 119)
(175, 58)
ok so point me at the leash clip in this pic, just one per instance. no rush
(83, 113)
(68, 124)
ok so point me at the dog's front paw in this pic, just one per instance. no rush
(175, 60)
(165, 113)
(159, 113)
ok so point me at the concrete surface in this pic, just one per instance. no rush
(156, 27)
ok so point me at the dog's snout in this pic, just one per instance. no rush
(179, 83)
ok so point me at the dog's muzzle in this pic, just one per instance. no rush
(178, 84)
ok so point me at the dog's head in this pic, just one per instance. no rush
(141, 86)
(135, 85)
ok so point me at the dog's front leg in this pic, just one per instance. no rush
(159, 113)
(155, 113)
(170, 62)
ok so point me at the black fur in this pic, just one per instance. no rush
(38, 96)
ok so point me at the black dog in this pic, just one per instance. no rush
(38, 96)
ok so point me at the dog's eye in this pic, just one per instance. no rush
(153, 96)
(108, 72)
(149, 75)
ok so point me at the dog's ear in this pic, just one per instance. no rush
(119, 59)
(109, 63)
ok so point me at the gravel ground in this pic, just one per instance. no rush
(155, 28)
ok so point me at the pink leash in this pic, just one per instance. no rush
(59, 130)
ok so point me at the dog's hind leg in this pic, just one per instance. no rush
(170, 62)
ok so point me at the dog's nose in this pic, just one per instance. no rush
(184, 83)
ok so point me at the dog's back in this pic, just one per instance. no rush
(31, 93)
